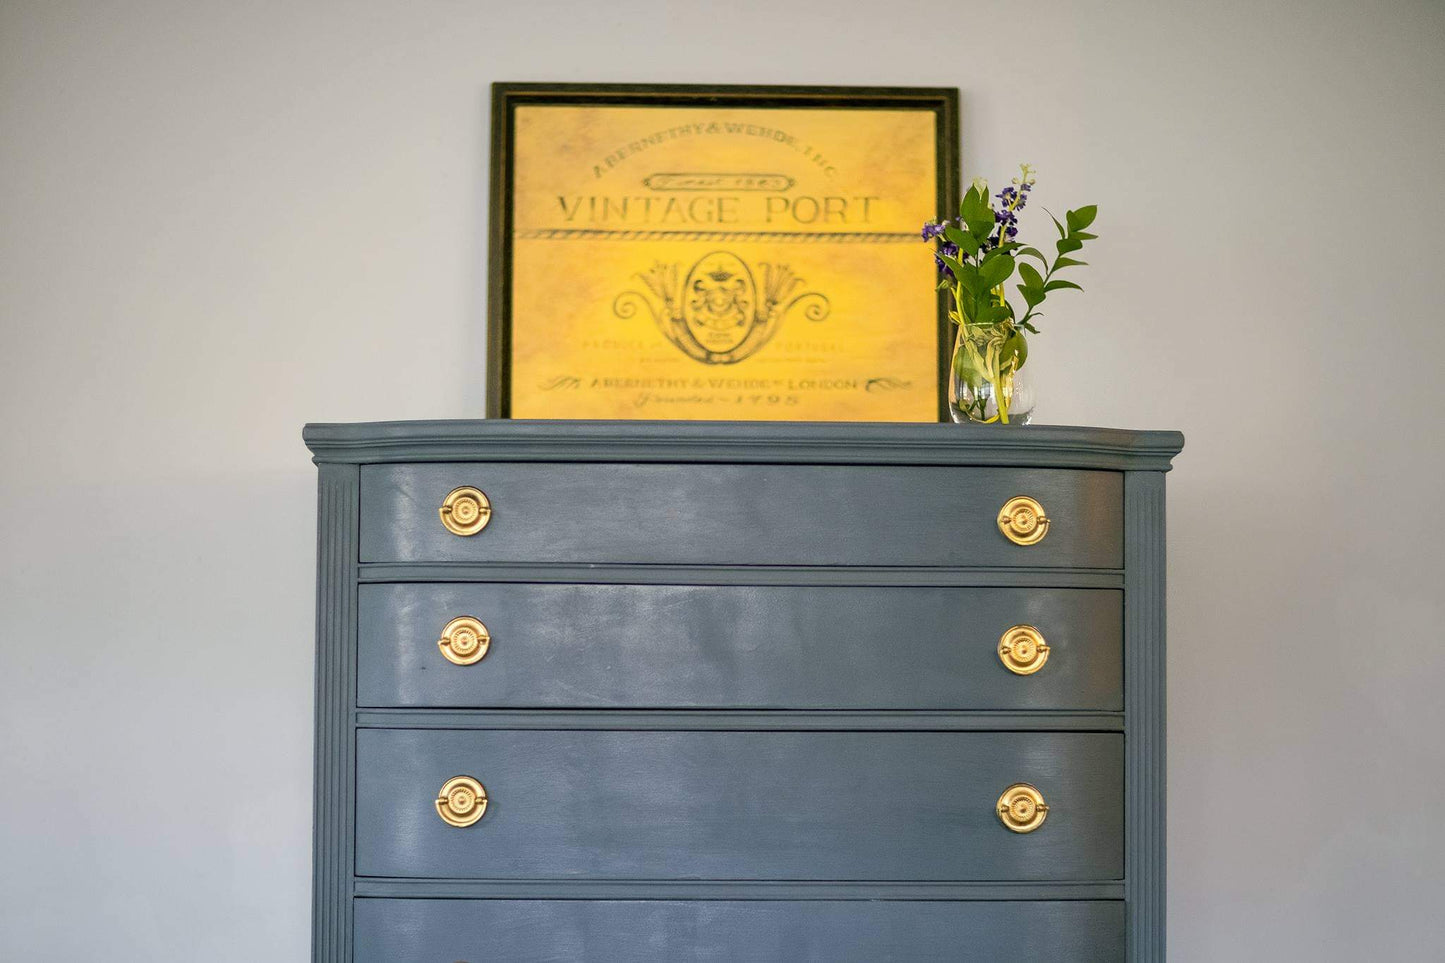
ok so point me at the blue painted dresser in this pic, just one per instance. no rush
(625, 691)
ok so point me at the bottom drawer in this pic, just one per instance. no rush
(666, 931)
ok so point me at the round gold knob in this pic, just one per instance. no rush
(1022, 521)
(1021, 808)
(462, 801)
(1022, 650)
(466, 511)
(465, 640)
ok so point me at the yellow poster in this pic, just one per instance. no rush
(723, 263)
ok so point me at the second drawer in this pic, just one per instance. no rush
(785, 647)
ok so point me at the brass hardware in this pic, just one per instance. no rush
(1023, 650)
(465, 640)
(1021, 808)
(462, 801)
(1022, 521)
(466, 511)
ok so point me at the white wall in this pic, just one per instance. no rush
(223, 219)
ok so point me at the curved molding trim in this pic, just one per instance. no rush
(1037, 446)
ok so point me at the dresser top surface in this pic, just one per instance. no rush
(1035, 446)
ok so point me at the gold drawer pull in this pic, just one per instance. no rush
(466, 511)
(1021, 808)
(462, 801)
(1022, 650)
(1022, 521)
(465, 640)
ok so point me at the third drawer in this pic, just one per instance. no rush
(619, 804)
(730, 646)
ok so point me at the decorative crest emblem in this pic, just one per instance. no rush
(717, 315)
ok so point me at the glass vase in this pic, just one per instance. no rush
(1004, 399)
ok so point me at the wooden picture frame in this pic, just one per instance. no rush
(777, 209)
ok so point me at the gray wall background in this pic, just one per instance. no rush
(223, 219)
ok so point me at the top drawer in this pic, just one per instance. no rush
(741, 515)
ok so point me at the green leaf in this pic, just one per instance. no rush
(1062, 232)
(975, 207)
(1056, 285)
(1015, 351)
(953, 264)
(1082, 218)
(967, 276)
(1033, 252)
(965, 241)
(982, 302)
(981, 229)
(1031, 276)
(1068, 245)
(969, 365)
(1083, 235)
(996, 314)
(977, 214)
(996, 269)
(963, 366)
(1032, 296)
(1064, 262)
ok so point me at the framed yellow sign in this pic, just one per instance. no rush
(744, 253)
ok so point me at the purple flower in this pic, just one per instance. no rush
(933, 231)
(1014, 198)
(950, 249)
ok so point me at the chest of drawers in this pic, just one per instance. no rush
(764, 692)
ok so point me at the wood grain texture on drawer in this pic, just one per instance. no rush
(667, 931)
(739, 646)
(739, 805)
(741, 514)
